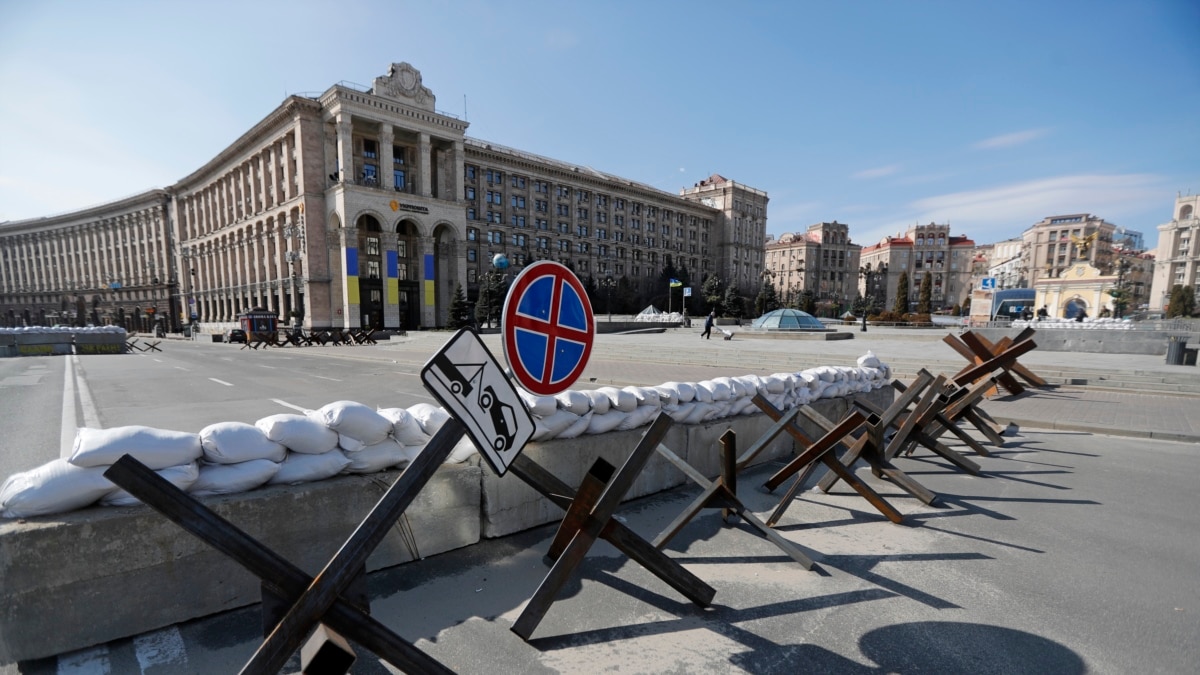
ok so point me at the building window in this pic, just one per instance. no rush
(495, 217)
(470, 171)
(494, 176)
(471, 215)
(581, 230)
(370, 148)
(518, 181)
(517, 221)
(372, 269)
(496, 237)
(397, 154)
(581, 214)
(562, 210)
(471, 278)
(372, 245)
(398, 179)
(542, 186)
(470, 193)
(472, 234)
(370, 174)
(542, 224)
(541, 205)
(471, 255)
(518, 201)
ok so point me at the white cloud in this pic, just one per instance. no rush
(1010, 140)
(878, 172)
(1031, 201)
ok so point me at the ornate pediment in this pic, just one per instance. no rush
(403, 83)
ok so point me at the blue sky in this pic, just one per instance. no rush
(986, 115)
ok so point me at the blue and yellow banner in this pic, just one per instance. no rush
(352, 276)
(430, 299)
(393, 283)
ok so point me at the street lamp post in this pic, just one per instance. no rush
(607, 283)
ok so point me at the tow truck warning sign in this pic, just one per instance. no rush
(469, 382)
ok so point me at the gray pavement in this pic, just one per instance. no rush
(1074, 551)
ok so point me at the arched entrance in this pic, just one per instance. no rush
(408, 270)
(1073, 307)
(445, 273)
(370, 271)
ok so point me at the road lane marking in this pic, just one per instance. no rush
(227, 384)
(66, 443)
(266, 366)
(182, 368)
(289, 405)
(160, 648)
(331, 379)
(91, 416)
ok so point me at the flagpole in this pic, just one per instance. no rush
(668, 296)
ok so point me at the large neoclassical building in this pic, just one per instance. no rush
(364, 208)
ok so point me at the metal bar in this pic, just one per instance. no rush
(284, 578)
(287, 637)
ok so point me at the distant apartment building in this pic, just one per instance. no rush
(1004, 263)
(1054, 244)
(924, 250)
(364, 207)
(1178, 255)
(822, 259)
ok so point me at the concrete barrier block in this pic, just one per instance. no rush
(100, 574)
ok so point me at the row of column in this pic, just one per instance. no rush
(251, 262)
(129, 249)
(261, 182)
(450, 183)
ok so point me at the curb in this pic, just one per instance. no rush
(1103, 431)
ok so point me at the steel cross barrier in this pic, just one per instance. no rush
(822, 450)
(977, 349)
(589, 517)
(722, 494)
(312, 600)
(869, 447)
(962, 406)
(917, 424)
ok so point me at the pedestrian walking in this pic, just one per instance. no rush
(708, 324)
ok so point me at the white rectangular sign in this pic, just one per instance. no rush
(470, 383)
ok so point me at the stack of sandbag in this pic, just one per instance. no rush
(364, 435)
(78, 481)
(573, 413)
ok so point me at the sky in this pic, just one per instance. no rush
(989, 116)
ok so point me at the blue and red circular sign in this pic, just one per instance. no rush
(548, 328)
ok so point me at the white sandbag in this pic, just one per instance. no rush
(641, 416)
(552, 425)
(578, 427)
(808, 379)
(156, 448)
(405, 428)
(182, 477)
(301, 468)
(826, 373)
(644, 395)
(700, 413)
(599, 401)
(54, 487)
(299, 433)
(607, 422)
(775, 384)
(348, 444)
(236, 442)
(377, 457)
(429, 416)
(538, 405)
(355, 420)
(752, 383)
(737, 389)
(669, 396)
(684, 391)
(619, 399)
(574, 402)
(227, 479)
(704, 394)
(463, 450)
(680, 412)
(720, 387)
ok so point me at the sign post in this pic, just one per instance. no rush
(547, 328)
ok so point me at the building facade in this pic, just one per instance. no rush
(363, 208)
(1177, 262)
(922, 250)
(822, 260)
(1056, 243)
